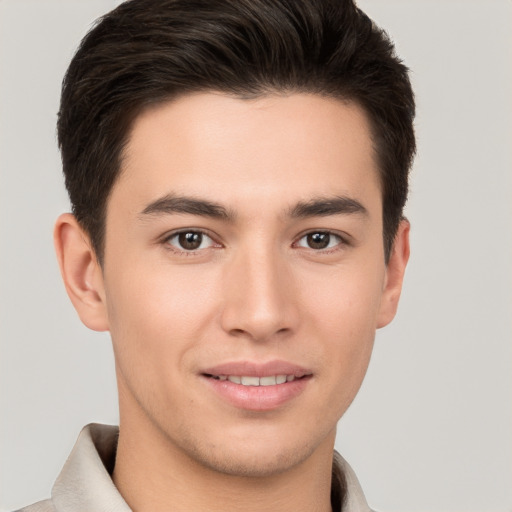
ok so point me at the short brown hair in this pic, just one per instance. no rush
(148, 51)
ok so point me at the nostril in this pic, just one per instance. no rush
(237, 332)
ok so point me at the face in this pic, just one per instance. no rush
(244, 275)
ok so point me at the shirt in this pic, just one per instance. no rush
(85, 483)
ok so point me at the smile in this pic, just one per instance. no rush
(256, 386)
(249, 380)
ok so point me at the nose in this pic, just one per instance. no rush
(259, 299)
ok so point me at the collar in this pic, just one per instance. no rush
(85, 482)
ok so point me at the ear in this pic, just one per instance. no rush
(394, 275)
(81, 272)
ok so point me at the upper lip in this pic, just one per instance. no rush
(254, 369)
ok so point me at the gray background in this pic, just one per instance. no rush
(431, 430)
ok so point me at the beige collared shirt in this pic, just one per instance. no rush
(85, 483)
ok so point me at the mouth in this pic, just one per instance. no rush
(257, 387)
(251, 380)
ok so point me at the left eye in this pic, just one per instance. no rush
(190, 240)
(320, 240)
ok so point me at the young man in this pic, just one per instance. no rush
(237, 172)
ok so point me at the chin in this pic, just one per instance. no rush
(251, 464)
(247, 456)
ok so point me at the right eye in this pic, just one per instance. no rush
(190, 241)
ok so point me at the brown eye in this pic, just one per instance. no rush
(320, 240)
(190, 241)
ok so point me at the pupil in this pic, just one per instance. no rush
(318, 240)
(190, 241)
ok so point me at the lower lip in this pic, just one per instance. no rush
(258, 398)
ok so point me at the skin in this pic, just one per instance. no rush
(255, 290)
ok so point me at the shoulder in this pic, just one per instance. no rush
(40, 506)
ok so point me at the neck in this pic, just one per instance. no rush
(153, 475)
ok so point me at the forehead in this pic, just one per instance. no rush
(274, 150)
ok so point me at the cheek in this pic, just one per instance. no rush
(346, 301)
(344, 314)
(154, 312)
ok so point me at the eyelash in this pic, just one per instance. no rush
(166, 241)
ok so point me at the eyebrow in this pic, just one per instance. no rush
(170, 204)
(323, 207)
(316, 207)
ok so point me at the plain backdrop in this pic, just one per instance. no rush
(431, 429)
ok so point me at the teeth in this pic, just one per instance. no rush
(250, 381)
(246, 380)
(268, 381)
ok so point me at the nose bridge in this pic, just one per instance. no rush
(258, 302)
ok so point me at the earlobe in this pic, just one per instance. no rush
(394, 275)
(81, 272)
